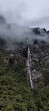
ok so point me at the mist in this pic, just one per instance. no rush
(19, 16)
(24, 12)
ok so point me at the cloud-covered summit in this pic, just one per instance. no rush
(26, 11)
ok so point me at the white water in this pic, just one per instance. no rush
(29, 64)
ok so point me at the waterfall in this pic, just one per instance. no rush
(29, 64)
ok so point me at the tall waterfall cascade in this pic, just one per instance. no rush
(29, 64)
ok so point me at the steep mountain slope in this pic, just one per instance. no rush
(15, 88)
(15, 91)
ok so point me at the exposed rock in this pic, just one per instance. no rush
(47, 32)
(6, 61)
(44, 29)
(36, 30)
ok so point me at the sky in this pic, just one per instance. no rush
(26, 12)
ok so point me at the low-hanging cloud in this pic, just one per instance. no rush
(22, 11)
(19, 16)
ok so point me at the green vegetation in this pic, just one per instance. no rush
(15, 91)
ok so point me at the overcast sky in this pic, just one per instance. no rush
(30, 12)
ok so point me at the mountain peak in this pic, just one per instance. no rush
(39, 31)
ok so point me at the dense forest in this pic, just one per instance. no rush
(15, 91)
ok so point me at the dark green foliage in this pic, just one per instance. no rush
(24, 52)
(11, 60)
(46, 77)
(15, 91)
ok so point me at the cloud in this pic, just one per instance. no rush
(21, 11)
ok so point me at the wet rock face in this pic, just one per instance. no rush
(35, 76)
